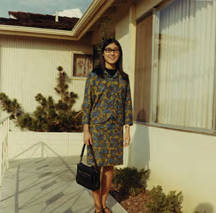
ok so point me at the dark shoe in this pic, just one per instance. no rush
(106, 210)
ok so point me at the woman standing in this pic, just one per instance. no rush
(107, 108)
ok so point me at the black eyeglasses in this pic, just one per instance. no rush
(109, 50)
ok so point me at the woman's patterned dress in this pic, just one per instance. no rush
(106, 108)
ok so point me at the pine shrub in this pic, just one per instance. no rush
(49, 115)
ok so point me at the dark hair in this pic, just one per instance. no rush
(99, 69)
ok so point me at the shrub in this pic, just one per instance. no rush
(130, 181)
(158, 201)
(49, 116)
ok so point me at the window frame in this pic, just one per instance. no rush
(154, 85)
(73, 53)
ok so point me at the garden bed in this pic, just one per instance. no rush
(129, 189)
(131, 203)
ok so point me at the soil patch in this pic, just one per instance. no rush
(132, 204)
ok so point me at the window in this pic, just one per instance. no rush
(182, 74)
(82, 65)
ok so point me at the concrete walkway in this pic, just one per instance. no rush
(47, 185)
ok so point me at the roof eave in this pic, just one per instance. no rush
(92, 14)
(36, 32)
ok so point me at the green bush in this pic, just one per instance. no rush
(159, 202)
(130, 181)
(49, 116)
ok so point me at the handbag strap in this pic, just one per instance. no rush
(83, 149)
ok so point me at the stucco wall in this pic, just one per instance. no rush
(178, 160)
(27, 145)
(28, 66)
(144, 6)
(125, 30)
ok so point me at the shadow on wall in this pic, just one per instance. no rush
(204, 208)
(140, 148)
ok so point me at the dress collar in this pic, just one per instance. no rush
(115, 76)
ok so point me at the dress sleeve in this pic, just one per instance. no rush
(87, 101)
(128, 107)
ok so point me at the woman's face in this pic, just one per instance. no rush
(111, 54)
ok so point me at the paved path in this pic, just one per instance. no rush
(47, 185)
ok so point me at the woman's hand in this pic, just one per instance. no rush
(127, 136)
(87, 138)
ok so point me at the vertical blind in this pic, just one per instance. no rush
(143, 69)
(187, 64)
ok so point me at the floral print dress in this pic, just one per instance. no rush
(106, 108)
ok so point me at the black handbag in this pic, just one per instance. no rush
(88, 176)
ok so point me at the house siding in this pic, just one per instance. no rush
(28, 67)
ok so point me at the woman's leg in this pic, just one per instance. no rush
(97, 197)
(106, 184)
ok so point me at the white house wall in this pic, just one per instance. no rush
(125, 34)
(178, 160)
(144, 6)
(28, 67)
